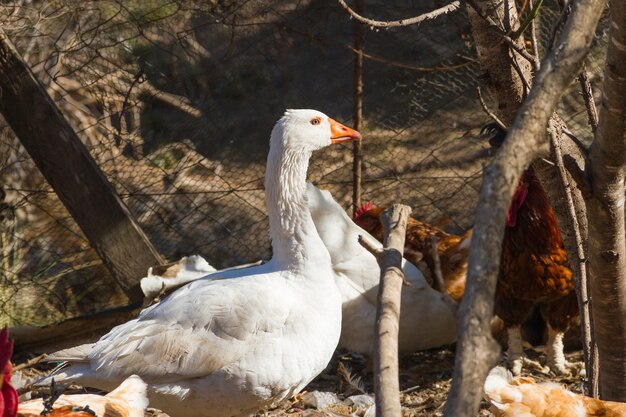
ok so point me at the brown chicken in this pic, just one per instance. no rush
(523, 397)
(534, 269)
(453, 250)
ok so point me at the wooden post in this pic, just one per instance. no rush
(73, 174)
(386, 379)
(357, 113)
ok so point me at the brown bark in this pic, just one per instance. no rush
(84, 190)
(590, 104)
(496, 59)
(607, 246)
(476, 349)
(386, 382)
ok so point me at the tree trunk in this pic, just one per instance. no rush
(504, 82)
(607, 247)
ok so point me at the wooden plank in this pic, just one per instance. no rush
(72, 332)
(73, 174)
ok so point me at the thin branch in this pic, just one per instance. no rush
(455, 5)
(584, 305)
(489, 112)
(556, 27)
(370, 246)
(522, 51)
(535, 42)
(434, 248)
(590, 104)
(357, 114)
(179, 102)
(406, 66)
(30, 363)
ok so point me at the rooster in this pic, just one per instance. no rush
(534, 269)
(453, 250)
(523, 397)
(128, 400)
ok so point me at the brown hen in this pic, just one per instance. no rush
(534, 269)
(453, 250)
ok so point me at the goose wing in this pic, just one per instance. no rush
(198, 330)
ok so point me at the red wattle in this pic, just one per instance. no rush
(9, 397)
(516, 203)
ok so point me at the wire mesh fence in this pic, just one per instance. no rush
(175, 101)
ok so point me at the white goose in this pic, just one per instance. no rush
(227, 347)
(427, 319)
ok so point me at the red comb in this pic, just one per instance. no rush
(365, 207)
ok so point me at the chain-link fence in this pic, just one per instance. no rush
(175, 101)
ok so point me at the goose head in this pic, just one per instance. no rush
(310, 130)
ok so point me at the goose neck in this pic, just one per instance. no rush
(294, 238)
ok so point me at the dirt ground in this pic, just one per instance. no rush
(344, 389)
(425, 379)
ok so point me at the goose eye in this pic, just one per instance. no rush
(315, 121)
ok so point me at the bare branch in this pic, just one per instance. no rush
(410, 67)
(535, 43)
(179, 102)
(489, 112)
(589, 344)
(357, 114)
(30, 363)
(521, 50)
(590, 104)
(455, 5)
(434, 247)
(370, 246)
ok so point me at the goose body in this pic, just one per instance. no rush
(427, 320)
(238, 340)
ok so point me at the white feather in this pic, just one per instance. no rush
(237, 340)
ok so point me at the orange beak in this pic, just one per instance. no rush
(340, 133)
